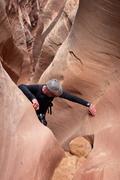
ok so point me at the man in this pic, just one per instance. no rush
(42, 95)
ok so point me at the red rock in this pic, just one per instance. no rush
(28, 150)
(80, 147)
(68, 167)
(89, 66)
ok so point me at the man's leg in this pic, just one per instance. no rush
(42, 119)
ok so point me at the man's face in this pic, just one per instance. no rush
(46, 91)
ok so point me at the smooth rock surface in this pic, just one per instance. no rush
(28, 150)
(89, 63)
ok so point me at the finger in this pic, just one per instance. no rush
(34, 105)
(37, 106)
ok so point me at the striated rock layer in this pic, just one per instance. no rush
(12, 45)
(55, 38)
(89, 63)
(28, 150)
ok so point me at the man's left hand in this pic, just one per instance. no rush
(92, 110)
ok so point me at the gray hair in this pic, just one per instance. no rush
(55, 87)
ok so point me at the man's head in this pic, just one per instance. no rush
(53, 88)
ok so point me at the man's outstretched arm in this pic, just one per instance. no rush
(79, 100)
(75, 99)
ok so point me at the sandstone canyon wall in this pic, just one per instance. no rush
(28, 150)
(87, 63)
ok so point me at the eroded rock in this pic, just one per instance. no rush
(68, 167)
(28, 150)
(80, 147)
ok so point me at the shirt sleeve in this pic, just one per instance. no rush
(29, 90)
(75, 99)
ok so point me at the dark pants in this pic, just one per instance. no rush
(42, 119)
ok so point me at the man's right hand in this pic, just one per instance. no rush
(35, 104)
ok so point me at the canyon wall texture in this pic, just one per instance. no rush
(88, 63)
(28, 150)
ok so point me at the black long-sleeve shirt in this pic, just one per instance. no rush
(35, 92)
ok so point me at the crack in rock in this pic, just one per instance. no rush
(69, 20)
(55, 43)
(72, 53)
